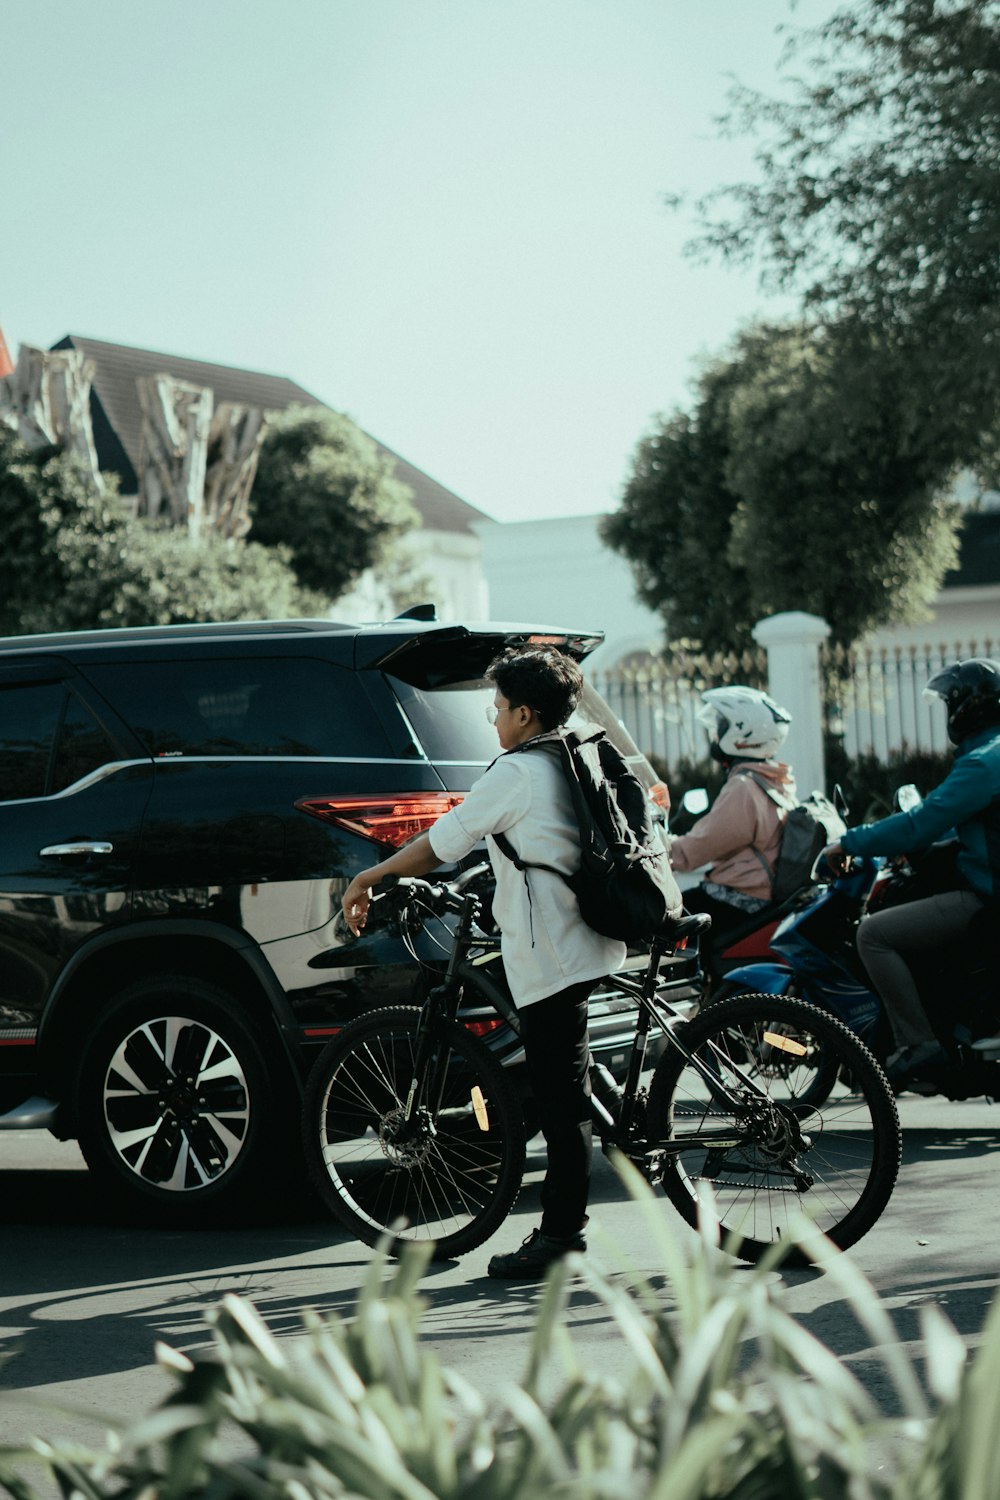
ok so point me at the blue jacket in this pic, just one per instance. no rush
(968, 801)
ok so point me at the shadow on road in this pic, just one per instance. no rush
(87, 1291)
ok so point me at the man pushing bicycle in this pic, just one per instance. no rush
(551, 957)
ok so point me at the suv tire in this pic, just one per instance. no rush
(174, 1104)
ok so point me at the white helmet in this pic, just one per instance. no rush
(744, 722)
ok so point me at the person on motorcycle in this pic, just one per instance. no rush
(968, 801)
(741, 835)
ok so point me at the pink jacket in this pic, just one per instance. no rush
(742, 819)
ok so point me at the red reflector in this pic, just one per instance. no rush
(483, 1028)
(659, 793)
(389, 818)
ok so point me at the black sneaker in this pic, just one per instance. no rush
(534, 1257)
(904, 1065)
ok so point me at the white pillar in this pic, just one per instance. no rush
(792, 642)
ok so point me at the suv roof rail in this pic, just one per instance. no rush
(160, 632)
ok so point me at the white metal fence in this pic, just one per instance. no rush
(873, 696)
(657, 698)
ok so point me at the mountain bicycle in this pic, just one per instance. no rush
(413, 1127)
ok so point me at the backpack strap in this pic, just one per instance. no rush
(769, 870)
(771, 791)
(505, 846)
(556, 749)
(776, 797)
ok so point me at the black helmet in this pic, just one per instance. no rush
(971, 693)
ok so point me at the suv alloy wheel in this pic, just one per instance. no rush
(174, 1098)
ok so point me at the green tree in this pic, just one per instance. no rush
(675, 523)
(323, 491)
(842, 508)
(878, 194)
(70, 559)
(150, 576)
(803, 480)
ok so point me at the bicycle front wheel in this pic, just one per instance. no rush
(741, 1115)
(450, 1172)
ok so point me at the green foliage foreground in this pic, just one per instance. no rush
(727, 1396)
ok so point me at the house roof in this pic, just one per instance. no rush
(117, 417)
(979, 555)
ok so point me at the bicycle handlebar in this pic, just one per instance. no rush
(445, 895)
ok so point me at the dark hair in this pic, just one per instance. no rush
(540, 677)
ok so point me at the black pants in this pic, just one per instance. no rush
(557, 1053)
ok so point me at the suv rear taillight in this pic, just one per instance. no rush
(387, 818)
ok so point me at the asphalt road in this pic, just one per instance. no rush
(84, 1295)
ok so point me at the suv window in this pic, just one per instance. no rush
(234, 706)
(450, 721)
(48, 741)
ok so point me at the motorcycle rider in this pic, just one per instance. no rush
(968, 801)
(741, 835)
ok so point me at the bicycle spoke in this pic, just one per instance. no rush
(435, 1175)
(835, 1161)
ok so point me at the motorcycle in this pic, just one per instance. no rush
(818, 960)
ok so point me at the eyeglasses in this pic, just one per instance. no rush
(493, 713)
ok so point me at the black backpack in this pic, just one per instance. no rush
(809, 827)
(625, 886)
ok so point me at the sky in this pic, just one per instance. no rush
(444, 217)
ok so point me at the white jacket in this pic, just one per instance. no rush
(546, 944)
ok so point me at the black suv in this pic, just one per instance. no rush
(180, 811)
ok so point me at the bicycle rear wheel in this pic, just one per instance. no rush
(776, 1153)
(813, 1089)
(451, 1174)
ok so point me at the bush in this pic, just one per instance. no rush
(154, 576)
(325, 494)
(728, 1399)
(71, 559)
(869, 784)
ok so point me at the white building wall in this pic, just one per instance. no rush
(558, 572)
(453, 562)
(450, 567)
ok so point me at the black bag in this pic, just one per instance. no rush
(625, 886)
(808, 828)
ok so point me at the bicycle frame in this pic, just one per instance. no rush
(655, 1008)
(650, 994)
(411, 1126)
(440, 1003)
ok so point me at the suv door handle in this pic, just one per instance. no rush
(58, 851)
